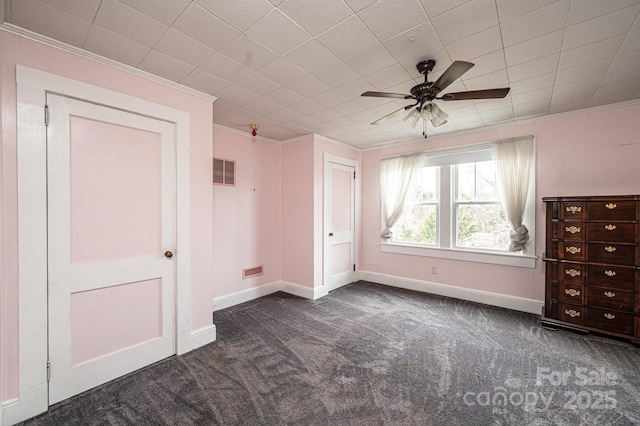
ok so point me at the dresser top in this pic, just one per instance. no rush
(593, 198)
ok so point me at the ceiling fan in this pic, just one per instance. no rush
(425, 93)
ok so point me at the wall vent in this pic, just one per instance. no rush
(253, 271)
(224, 172)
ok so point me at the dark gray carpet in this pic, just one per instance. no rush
(368, 354)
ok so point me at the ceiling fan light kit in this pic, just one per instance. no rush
(425, 93)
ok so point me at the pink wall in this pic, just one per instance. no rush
(246, 217)
(584, 154)
(18, 50)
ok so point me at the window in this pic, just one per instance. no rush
(454, 210)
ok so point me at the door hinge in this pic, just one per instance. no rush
(354, 267)
(354, 175)
(46, 115)
(48, 370)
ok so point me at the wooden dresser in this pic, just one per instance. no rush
(592, 264)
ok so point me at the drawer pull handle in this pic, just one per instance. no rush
(573, 249)
(609, 294)
(610, 249)
(572, 313)
(572, 292)
(610, 273)
(572, 229)
(611, 206)
(609, 316)
(572, 272)
(609, 227)
(574, 209)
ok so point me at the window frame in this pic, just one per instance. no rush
(446, 229)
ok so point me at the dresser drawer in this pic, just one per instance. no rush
(575, 210)
(607, 298)
(611, 231)
(611, 210)
(611, 320)
(572, 313)
(571, 250)
(614, 253)
(571, 293)
(611, 277)
(570, 230)
(569, 272)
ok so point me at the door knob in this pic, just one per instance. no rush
(331, 234)
(168, 253)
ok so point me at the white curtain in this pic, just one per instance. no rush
(514, 159)
(396, 177)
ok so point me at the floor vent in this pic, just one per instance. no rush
(252, 272)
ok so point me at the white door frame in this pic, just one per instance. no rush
(32, 222)
(331, 158)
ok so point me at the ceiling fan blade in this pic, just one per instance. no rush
(388, 116)
(387, 95)
(451, 74)
(476, 94)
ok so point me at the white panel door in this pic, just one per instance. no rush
(111, 236)
(339, 252)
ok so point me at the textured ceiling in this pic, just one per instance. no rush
(297, 67)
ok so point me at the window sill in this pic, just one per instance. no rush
(508, 259)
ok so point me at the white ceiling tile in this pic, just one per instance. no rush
(457, 113)
(611, 99)
(348, 37)
(282, 71)
(205, 82)
(288, 35)
(590, 53)
(486, 64)
(355, 88)
(491, 104)
(114, 46)
(184, 48)
(509, 9)
(631, 41)
(248, 53)
(240, 14)
(626, 60)
(496, 115)
(85, 9)
(258, 83)
(479, 44)
(308, 107)
(438, 7)
(336, 74)
(491, 80)
(286, 114)
(583, 10)
(386, 18)
(532, 109)
(264, 105)
(357, 5)
(582, 97)
(325, 115)
(535, 48)
(628, 75)
(556, 108)
(225, 67)
(315, 16)
(535, 23)
(162, 11)
(329, 98)
(311, 56)
(533, 83)
(413, 42)
(370, 60)
(237, 94)
(600, 28)
(201, 25)
(533, 68)
(592, 69)
(390, 76)
(308, 86)
(49, 21)
(129, 23)
(538, 95)
(165, 66)
(443, 61)
(285, 96)
(470, 18)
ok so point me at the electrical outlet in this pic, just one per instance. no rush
(434, 270)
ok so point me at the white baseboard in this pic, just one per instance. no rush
(243, 296)
(11, 412)
(203, 336)
(495, 299)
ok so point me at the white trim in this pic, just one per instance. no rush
(247, 134)
(203, 336)
(488, 298)
(56, 44)
(505, 258)
(10, 411)
(32, 220)
(253, 293)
